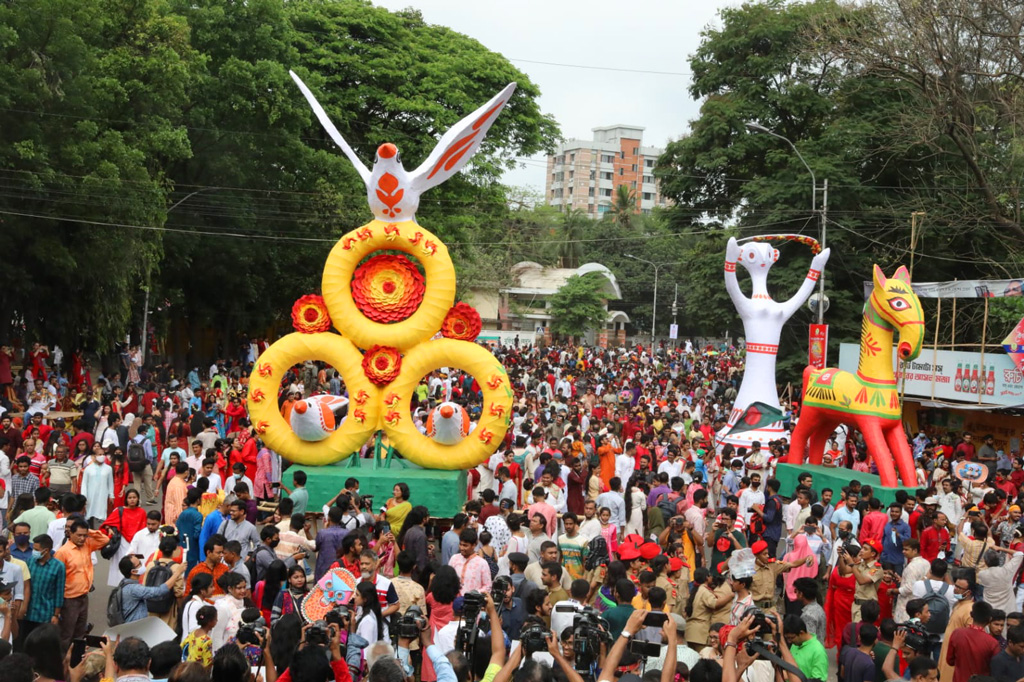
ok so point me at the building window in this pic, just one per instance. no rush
(571, 174)
(622, 171)
(607, 175)
(649, 163)
(593, 175)
(607, 158)
(636, 150)
(572, 158)
(634, 168)
(633, 184)
(648, 179)
(647, 196)
(606, 192)
(590, 192)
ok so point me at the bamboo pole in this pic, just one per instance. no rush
(984, 330)
(935, 343)
(952, 336)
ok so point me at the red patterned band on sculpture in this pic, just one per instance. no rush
(387, 288)
(766, 348)
(811, 242)
(813, 274)
(730, 267)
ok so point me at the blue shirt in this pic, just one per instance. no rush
(190, 525)
(328, 541)
(892, 541)
(133, 599)
(844, 514)
(449, 546)
(47, 590)
(442, 666)
(772, 518)
(210, 526)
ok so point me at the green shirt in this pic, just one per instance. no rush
(811, 658)
(717, 555)
(300, 498)
(617, 617)
(573, 550)
(38, 518)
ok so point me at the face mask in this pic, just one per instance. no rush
(238, 477)
(138, 571)
(844, 534)
(101, 459)
(275, 543)
(36, 555)
(21, 540)
(957, 596)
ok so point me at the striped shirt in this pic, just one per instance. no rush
(23, 484)
(47, 590)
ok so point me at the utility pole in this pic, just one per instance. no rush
(675, 304)
(821, 277)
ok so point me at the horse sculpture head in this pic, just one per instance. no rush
(894, 301)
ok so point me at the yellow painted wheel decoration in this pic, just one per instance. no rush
(388, 290)
(265, 382)
(494, 417)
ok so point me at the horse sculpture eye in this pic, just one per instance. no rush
(898, 304)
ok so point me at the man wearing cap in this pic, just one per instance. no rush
(762, 590)
(1004, 531)
(868, 573)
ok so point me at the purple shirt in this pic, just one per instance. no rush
(652, 498)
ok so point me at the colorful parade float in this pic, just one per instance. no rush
(388, 291)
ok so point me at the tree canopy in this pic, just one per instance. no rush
(577, 307)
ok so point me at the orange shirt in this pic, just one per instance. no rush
(203, 567)
(606, 455)
(78, 563)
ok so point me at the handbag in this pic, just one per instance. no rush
(109, 550)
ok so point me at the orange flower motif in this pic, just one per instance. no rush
(264, 369)
(381, 364)
(392, 418)
(310, 316)
(359, 415)
(387, 288)
(261, 426)
(257, 396)
(485, 436)
(462, 323)
(362, 397)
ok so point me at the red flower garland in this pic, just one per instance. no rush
(381, 364)
(462, 322)
(310, 316)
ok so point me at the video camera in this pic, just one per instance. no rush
(253, 628)
(534, 636)
(589, 630)
(465, 637)
(763, 628)
(411, 624)
(918, 638)
(366, 503)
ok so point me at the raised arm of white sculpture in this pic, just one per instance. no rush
(394, 193)
(732, 285)
(810, 281)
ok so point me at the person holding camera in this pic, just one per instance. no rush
(511, 610)
(866, 571)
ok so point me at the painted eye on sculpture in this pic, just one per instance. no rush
(898, 303)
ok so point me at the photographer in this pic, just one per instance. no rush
(610, 666)
(511, 609)
(919, 663)
(310, 663)
(866, 571)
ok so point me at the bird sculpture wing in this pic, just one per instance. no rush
(325, 121)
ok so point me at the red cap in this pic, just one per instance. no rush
(649, 550)
(723, 567)
(874, 544)
(759, 547)
(676, 564)
(633, 539)
(628, 552)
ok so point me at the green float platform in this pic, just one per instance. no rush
(442, 492)
(834, 478)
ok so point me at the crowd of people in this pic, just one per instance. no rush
(610, 498)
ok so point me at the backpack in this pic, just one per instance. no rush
(668, 506)
(938, 606)
(250, 563)
(159, 574)
(115, 604)
(136, 457)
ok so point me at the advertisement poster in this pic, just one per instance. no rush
(959, 376)
(817, 346)
(938, 421)
(963, 288)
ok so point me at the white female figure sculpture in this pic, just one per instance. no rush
(763, 319)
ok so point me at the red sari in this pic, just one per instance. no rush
(122, 479)
(129, 522)
(838, 606)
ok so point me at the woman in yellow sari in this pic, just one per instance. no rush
(397, 508)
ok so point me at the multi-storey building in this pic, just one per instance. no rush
(586, 174)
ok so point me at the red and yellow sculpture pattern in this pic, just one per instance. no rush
(388, 310)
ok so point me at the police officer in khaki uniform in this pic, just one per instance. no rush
(868, 573)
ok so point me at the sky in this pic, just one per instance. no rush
(657, 35)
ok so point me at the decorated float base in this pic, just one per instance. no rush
(442, 492)
(834, 478)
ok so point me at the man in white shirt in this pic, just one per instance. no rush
(239, 477)
(578, 591)
(207, 472)
(614, 501)
(590, 526)
(146, 542)
(672, 466)
(625, 463)
(752, 495)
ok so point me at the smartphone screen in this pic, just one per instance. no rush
(77, 651)
(95, 641)
(655, 619)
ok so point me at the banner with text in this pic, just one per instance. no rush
(817, 346)
(965, 288)
(956, 375)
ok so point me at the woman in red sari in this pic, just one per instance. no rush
(129, 520)
(233, 414)
(838, 606)
(122, 475)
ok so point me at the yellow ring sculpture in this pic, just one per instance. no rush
(364, 398)
(494, 417)
(377, 235)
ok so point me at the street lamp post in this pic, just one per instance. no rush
(654, 308)
(758, 128)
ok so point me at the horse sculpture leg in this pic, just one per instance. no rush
(901, 452)
(819, 439)
(801, 433)
(878, 449)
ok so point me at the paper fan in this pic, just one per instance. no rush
(335, 588)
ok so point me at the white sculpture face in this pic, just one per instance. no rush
(757, 258)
